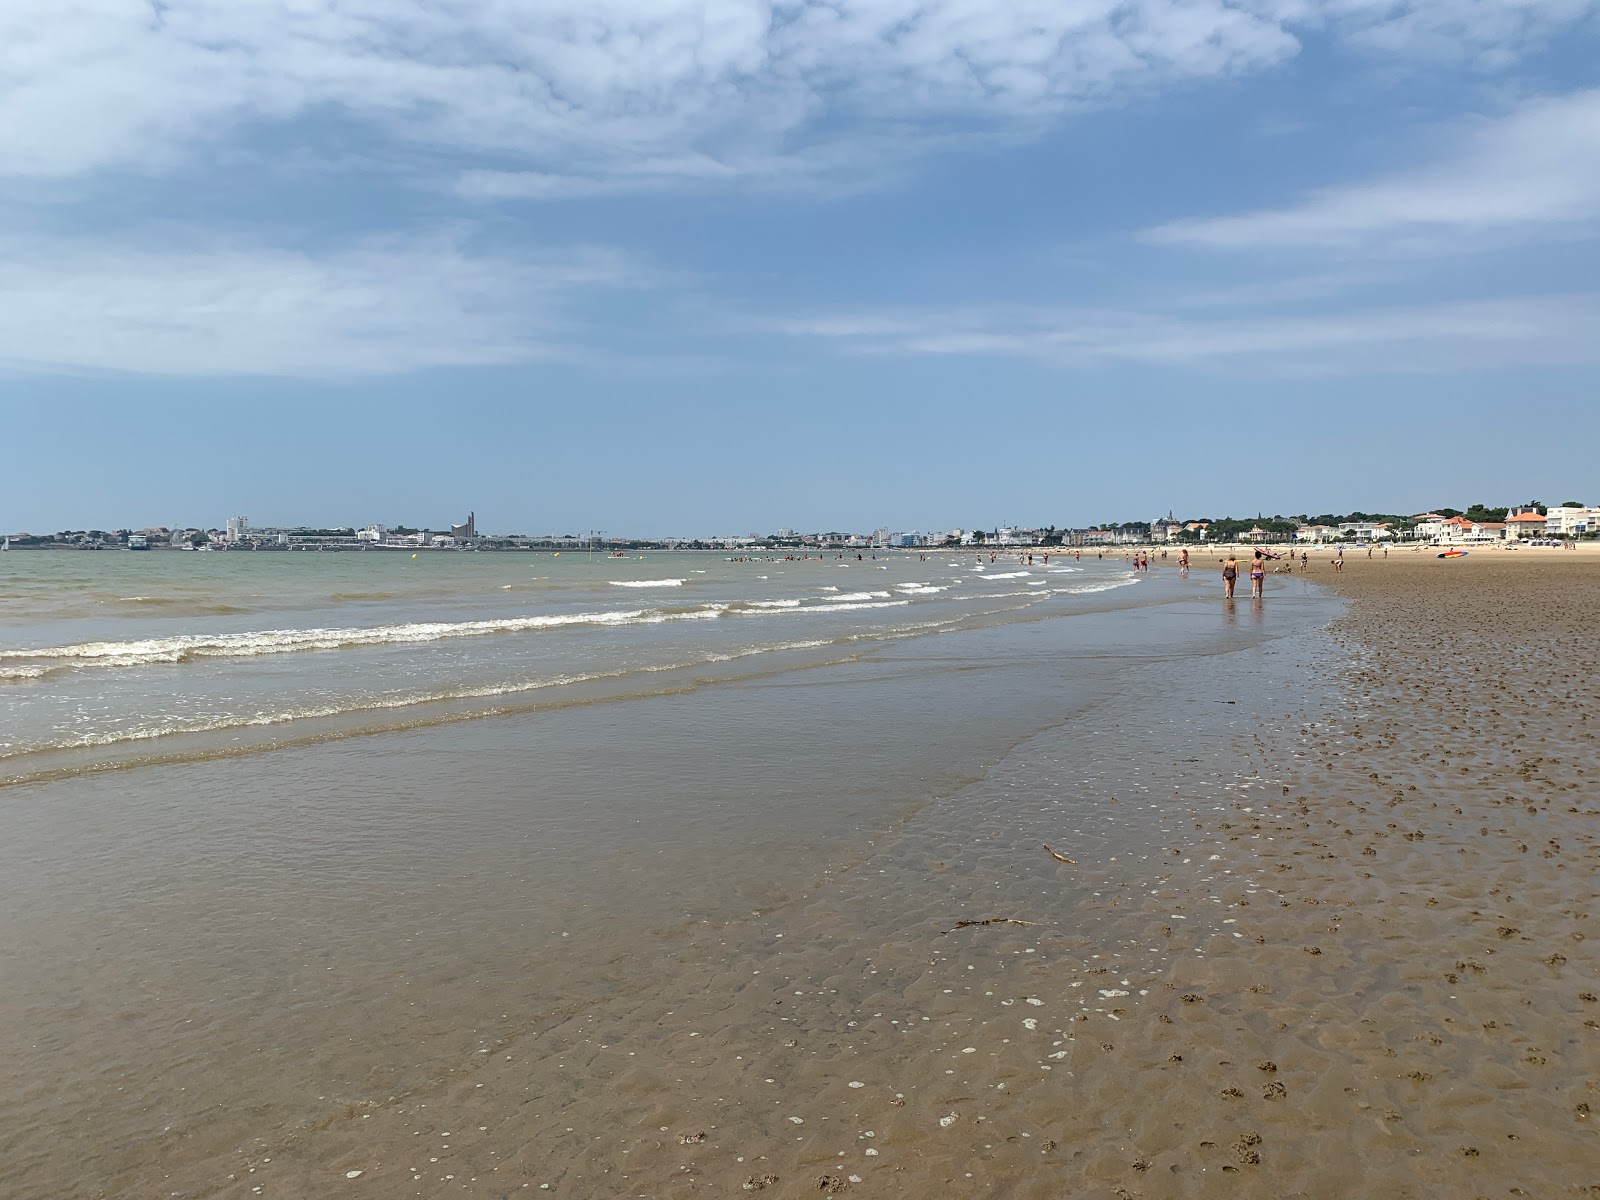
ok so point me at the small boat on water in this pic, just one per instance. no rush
(138, 541)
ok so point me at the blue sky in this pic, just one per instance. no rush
(668, 267)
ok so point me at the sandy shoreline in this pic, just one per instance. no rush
(1354, 953)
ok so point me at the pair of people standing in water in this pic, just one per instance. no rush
(1258, 575)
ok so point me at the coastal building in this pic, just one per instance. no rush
(1430, 527)
(1165, 529)
(469, 529)
(376, 534)
(1528, 523)
(1571, 522)
(1366, 531)
(238, 527)
(1316, 533)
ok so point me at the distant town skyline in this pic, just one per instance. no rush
(1170, 527)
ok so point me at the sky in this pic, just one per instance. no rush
(660, 267)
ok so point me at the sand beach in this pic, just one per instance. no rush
(1366, 965)
(1328, 931)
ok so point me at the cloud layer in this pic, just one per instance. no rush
(387, 305)
(496, 100)
(582, 92)
(1537, 168)
(1522, 331)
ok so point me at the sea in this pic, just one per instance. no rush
(286, 838)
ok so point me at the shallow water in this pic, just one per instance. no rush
(227, 950)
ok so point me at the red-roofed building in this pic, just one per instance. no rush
(1528, 524)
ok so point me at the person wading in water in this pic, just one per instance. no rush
(1230, 575)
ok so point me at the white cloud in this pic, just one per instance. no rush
(588, 88)
(1525, 330)
(385, 306)
(1536, 168)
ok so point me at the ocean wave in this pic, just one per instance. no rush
(1084, 589)
(772, 603)
(848, 606)
(24, 665)
(216, 722)
(177, 606)
(187, 647)
(1010, 575)
(647, 583)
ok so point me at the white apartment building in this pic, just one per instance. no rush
(1366, 530)
(237, 528)
(1430, 527)
(1571, 522)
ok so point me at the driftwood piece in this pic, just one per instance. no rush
(1060, 857)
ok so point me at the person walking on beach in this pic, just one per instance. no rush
(1258, 575)
(1230, 575)
(1305, 561)
(1183, 562)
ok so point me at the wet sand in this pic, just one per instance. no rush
(1330, 932)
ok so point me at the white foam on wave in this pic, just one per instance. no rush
(772, 603)
(646, 583)
(844, 606)
(370, 703)
(186, 647)
(920, 589)
(1084, 589)
(862, 596)
(1010, 575)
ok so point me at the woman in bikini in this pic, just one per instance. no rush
(1230, 574)
(1258, 574)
